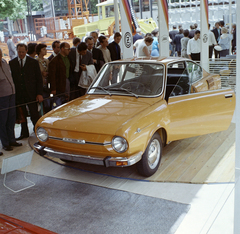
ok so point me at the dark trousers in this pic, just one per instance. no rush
(216, 53)
(74, 88)
(224, 53)
(34, 115)
(195, 57)
(7, 119)
(210, 51)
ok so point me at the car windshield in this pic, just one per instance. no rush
(132, 79)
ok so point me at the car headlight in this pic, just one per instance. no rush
(119, 144)
(42, 134)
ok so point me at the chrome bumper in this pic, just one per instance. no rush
(107, 161)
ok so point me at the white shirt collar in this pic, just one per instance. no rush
(54, 54)
(24, 60)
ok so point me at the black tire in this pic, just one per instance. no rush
(147, 166)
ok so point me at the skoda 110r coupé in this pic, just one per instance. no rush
(132, 110)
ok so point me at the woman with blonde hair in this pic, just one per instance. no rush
(225, 42)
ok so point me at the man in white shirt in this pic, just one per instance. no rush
(211, 41)
(193, 47)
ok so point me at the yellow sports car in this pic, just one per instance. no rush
(132, 109)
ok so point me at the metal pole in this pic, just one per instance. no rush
(150, 4)
(237, 152)
(140, 9)
(116, 15)
(230, 22)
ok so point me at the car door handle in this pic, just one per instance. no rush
(228, 96)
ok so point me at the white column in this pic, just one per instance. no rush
(163, 28)
(237, 152)
(126, 22)
(204, 34)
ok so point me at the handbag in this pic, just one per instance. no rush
(218, 48)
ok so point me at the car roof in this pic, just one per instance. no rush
(164, 60)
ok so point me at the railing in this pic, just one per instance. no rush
(226, 68)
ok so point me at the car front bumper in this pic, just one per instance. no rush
(108, 161)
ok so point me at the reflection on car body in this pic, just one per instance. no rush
(126, 122)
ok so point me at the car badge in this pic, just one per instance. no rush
(77, 141)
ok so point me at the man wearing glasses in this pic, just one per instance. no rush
(59, 70)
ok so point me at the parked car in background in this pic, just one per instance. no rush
(153, 102)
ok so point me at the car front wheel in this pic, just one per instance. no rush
(151, 158)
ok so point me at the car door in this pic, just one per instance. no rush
(193, 114)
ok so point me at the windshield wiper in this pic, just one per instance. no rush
(126, 90)
(100, 87)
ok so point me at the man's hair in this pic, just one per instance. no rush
(54, 44)
(82, 46)
(180, 30)
(10, 36)
(93, 32)
(22, 45)
(117, 34)
(192, 26)
(101, 38)
(148, 35)
(221, 22)
(179, 26)
(63, 44)
(76, 40)
(217, 23)
(154, 32)
(197, 31)
(31, 48)
(88, 38)
(148, 39)
(174, 26)
(195, 25)
(39, 47)
(186, 33)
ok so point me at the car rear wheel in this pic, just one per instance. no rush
(151, 158)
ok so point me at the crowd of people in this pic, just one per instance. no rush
(30, 78)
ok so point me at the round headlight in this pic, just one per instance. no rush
(42, 134)
(119, 144)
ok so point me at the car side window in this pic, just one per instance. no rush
(195, 72)
(177, 80)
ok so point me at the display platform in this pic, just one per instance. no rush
(203, 159)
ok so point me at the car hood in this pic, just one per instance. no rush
(103, 115)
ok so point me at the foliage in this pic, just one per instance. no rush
(93, 4)
(16, 9)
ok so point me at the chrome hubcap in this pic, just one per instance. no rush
(154, 153)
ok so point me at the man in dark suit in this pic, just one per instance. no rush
(85, 58)
(137, 36)
(172, 35)
(115, 52)
(217, 33)
(177, 42)
(28, 82)
(59, 70)
(94, 34)
(97, 54)
(74, 75)
(56, 49)
(192, 31)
